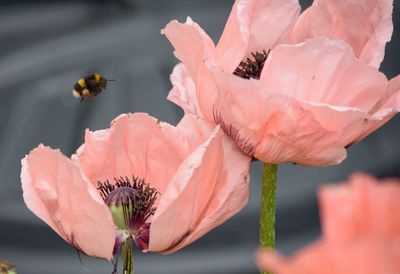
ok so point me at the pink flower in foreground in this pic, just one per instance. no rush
(166, 186)
(281, 97)
(361, 232)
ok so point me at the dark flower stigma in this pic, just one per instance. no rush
(252, 68)
(131, 203)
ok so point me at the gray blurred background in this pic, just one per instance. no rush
(47, 45)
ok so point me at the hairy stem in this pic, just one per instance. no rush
(268, 206)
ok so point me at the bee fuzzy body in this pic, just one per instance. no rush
(89, 86)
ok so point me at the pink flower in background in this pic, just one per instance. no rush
(165, 186)
(361, 232)
(281, 97)
(365, 25)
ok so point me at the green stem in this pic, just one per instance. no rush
(127, 256)
(268, 206)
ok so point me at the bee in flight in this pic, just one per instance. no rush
(89, 86)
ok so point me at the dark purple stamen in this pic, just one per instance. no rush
(247, 69)
(245, 144)
(132, 204)
(250, 68)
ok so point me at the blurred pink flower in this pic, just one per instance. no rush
(280, 86)
(361, 232)
(186, 180)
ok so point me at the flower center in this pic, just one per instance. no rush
(252, 67)
(247, 69)
(131, 204)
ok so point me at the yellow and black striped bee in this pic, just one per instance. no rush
(89, 86)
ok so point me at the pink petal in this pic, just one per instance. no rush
(332, 214)
(358, 259)
(392, 95)
(184, 202)
(361, 232)
(366, 25)
(135, 145)
(195, 129)
(354, 124)
(378, 203)
(194, 48)
(390, 107)
(192, 44)
(183, 92)
(272, 127)
(255, 26)
(231, 190)
(324, 71)
(57, 192)
(304, 264)
(344, 95)
(271, 261)
(349, 123)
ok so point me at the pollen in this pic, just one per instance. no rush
(82, 82)
(97, 77)
(252, 67)
(85, 92)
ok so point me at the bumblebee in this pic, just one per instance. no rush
(89, 86)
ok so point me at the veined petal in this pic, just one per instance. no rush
(195, 129)
(194, 48)
(343, 94)
(183, 204)
(231, 191)
(272, 127)
(392, 99)
(354, 124)
(183, 92)
(366, 25)
(325, 71)
(192, 44)
(57, 192)
(386, 112)
(351, 124)
(255, 25)
(135, 145)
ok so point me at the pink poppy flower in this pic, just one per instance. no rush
(163, 186)
(280, 86)
(361, 232)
